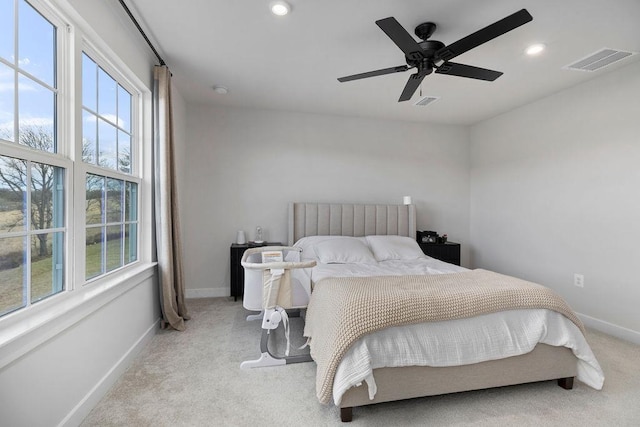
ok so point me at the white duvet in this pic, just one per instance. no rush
(425, 265)
(451, 343)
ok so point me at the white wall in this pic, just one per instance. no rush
(60, 381)
(555, 191)
(244, 166)
(111, 24)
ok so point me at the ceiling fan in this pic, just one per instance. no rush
(430, 55)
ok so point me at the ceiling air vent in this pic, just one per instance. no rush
(424, 101)
(598, 60)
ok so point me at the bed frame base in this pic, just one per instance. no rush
(566, 383)
(544, 363)
(346, 414)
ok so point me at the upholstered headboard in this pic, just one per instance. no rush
(333, 219)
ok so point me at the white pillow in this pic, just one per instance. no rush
(344, 251)
(394, 247)
(307, 244)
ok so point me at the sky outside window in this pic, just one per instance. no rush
(6, 103)
(36, 44)
(106, 119)
(33, 63)
(6, 29)
(89, 84)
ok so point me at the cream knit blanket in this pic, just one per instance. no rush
(344, 309)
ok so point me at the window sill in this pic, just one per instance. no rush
(22, 331)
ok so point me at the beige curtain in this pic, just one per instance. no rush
(167, 230)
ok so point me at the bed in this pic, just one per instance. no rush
(365, 368)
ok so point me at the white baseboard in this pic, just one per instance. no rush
(206, 293)
(91, 399)
(610, 328)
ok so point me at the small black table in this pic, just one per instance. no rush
(447, 252)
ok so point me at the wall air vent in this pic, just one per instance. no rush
(598, 60)
(426, 100)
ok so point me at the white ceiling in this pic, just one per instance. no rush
(291, 63)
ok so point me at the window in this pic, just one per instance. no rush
(106, 118)
(32, 230)
(111, 231)
(66, 198)
(111, 200)
(28, 71)
(32, 196)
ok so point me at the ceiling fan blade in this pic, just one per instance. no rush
(411, 86)
(401, 37)
(398, 69)
(462, 70)
(484, 35)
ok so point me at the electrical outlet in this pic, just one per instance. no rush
(578, 280)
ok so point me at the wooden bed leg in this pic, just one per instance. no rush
(346, 414)
(566, 383)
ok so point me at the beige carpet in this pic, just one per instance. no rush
(193, 378)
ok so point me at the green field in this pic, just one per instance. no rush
(11, 279)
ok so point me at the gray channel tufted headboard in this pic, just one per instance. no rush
(335, 219)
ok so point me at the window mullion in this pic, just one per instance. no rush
(123, 201)
(76, 263)
(29, 234)
(103, 241)
(16, 112)
(37, 80)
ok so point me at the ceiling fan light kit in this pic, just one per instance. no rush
(430, 56)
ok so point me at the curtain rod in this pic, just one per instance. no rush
(135, 22)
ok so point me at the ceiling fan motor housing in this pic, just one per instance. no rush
(425, 60)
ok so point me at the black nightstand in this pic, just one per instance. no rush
(237, 271)
(447, 252)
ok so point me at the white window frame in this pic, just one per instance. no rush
(82, 168)
(61, 157)
(27, 328)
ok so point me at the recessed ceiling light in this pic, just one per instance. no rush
(279, 8)
(535, 49)
(220, 90)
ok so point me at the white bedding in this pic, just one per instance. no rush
(424, 265)
(462, 342)
(450, 343)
